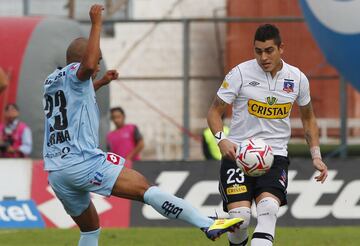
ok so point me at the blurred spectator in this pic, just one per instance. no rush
(4, 81)
(15, 136)
(210, 148)
(126, 139)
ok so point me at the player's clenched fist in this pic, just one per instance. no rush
(109, 76)
(96, 13)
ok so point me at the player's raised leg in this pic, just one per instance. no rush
(132, 185)
(267, 207)
(241, 210)
(88, 223)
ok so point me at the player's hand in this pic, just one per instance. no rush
(320, 166)
(96, 14)
(228, 149)
(109, 76)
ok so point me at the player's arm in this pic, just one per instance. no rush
(138, 148)
(4, 81)
(139, 145)
(106, 79)
(312, 138)
(90, 59)
(214, 119)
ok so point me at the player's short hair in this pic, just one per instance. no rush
(76, 50)
(268, 32)
(11, 105)
(117, 109)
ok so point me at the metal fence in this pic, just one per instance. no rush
(188, 128)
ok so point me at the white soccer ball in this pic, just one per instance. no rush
(254, 157)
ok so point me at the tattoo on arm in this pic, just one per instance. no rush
(309, 123)
(219, 105)
(218, 102)
(308, 137)
(306, 111)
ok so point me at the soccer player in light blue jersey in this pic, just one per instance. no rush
(77, 166)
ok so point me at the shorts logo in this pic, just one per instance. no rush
(270, 109)
(283, 178)
(170, 208)
(288, 85)
(98, 178)
(236, 189)
(113, 158)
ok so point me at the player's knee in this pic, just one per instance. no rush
(267, 209)
(267, 206)
(243, 213)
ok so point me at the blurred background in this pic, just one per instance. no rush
(172, 56)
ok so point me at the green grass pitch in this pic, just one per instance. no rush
(292, 236)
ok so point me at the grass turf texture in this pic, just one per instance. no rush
(294, 236)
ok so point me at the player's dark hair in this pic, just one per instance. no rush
(117, 109)
(11, 105)
(268, 32)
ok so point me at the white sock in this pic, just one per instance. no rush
(264, 233)
(89, 238)
(240, 236)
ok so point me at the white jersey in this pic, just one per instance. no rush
(262, 104)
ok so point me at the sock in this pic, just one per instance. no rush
(89, 238)
(264, 233)
(173, 207)
(240, 236)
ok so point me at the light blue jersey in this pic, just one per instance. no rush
(71, 119)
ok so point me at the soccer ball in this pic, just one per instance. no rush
(254, 157)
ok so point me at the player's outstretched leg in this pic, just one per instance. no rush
(132, 185)
(88, 223)
(267, 209)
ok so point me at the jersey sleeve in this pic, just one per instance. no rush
(71, 74)
(231, 85)
(304, 91)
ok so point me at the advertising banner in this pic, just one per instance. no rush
(16, 176)
(333, 23)
(20, 214)
(336, 202)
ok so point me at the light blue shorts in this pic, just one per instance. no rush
(73, 184)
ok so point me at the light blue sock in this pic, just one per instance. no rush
(89, 238)
(173, 207)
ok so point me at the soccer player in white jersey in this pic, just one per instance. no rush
(77, 166)
(262, 92)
